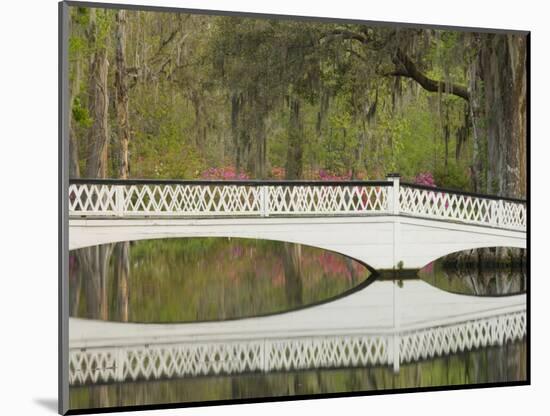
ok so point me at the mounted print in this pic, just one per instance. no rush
(260, 208)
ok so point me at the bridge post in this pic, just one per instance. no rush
(393, 195)
(500, 211)
(264, 201)
(265, 364)
(119, 200)
(394, 209)
(396, 339)
(119, 364)
(497, 211)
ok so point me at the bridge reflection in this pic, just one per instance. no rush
(385, 324)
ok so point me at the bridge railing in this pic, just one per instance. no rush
(227, 198)
(148, 198)
(453, 205)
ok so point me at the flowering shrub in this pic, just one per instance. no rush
(325, 175)
(425, 178)
(224, 173)
(278, 172)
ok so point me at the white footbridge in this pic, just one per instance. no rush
(385, 224)
(383, 324)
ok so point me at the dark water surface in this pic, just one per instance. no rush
(204, 279)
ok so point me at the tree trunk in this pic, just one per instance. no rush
(294, 157)
(98, 139)
(74, 168)
(517, 185)
(260, 167)
(503, 60)
(121, 84)
(235, 112)
(477, 171)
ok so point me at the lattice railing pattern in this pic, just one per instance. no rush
(158, 361)
(463, 208)
(166, 199)
(327, 199)
(93, 199)
(512, 215)
(432, 342)
(255, 199)
(225, 200)
(164, 361)
(326, 352)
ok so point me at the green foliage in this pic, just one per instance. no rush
(77, 44)
(80, 114)
(452, 176)
(341, 143)
(104, 23)
(211, 91)
(80, 16)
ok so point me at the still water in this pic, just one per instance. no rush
(206, 279)
(201, 280)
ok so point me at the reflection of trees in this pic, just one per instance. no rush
(122, 274)
(75, 284)
(90, 278)
(486, 258)
(292, 261)
(478, 272)
(94, 262)
(351, 270)
(490, 282)
(219, 279)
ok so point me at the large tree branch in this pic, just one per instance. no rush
(345, 34)
(407, 68)
(364, 37)
(357, 55)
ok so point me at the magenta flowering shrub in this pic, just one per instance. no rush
(425, 178)
(224, 173)
(325, 175)
(278, 172)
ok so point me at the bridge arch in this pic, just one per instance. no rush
(382, 242)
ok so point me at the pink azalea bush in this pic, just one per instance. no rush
(278, 172)
(325, 175)
(224, 173)
(425, 178)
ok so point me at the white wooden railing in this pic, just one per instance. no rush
(231, 198)
(144, 198)
(174, 360)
